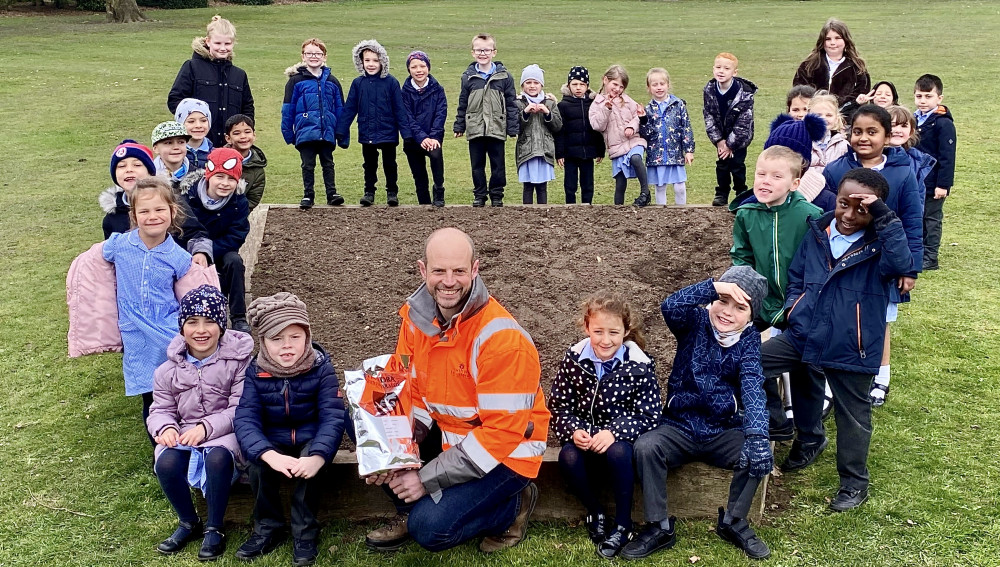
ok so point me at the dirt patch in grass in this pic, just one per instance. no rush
(355, 267)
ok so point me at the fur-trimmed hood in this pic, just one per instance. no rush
(371, 45)
(108, 199)
(201, 48)
(300, 67)
(198, 175)
(568, 93)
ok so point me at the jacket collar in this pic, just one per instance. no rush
(424, 311)
(632, 351)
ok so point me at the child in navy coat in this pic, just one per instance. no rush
(426, 111)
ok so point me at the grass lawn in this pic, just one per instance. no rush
(75, 481)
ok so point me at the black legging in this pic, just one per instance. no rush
(530, 189)
(639, 165)
(585, 471)
(172, 470)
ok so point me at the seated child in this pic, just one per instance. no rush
(797, 101)
(716, 412)
(195, 394)
(604, 396)
(535, 152)
(215, 196)
(838, 291)
(130, 162)
(196, 117)
(170, 146)
(241, 136)
(578, 145)
(289, 424)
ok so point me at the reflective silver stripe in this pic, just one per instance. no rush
(452, 438)
(453, 411)
(479, 455)
(506, 402)
(422, 416)
(529, 449)
(499, 324)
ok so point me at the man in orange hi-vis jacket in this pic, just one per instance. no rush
(477, 384)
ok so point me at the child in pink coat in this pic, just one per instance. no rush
(615, 115)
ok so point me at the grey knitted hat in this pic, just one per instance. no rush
(752, 283)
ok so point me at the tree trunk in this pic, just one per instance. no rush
(123, 11)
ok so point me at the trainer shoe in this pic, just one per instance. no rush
(368, 199)
(611, 546)
(519, 528)
(304, 552)
(740, 534)
(848, 499)
(259, 545)
(803, 454)
(389, 537)
(335, 200)
(651, 539)
(306, 203)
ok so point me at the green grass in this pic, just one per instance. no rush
(75, 484)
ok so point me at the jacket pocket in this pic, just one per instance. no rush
(788, 316)
(861, 342)
(207, 91)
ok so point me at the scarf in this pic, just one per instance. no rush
(210, 203)
(728, 338)
(534, 99)
(303, 364)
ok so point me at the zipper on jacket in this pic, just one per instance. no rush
(792, 308)
(593, 420)
(861, 346)
(284, 391)
(777, 256)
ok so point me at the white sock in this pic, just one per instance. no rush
(881, 378)
(680, 193)
(661, 194)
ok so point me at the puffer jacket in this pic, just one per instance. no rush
(306, 408)
(711, 389)
(537, 137)
(904, 200)
(487, 107)
(114, 202)
(376, 101)
(625, 402)
(91, 295)
(426, 109)
(612, 122)
(733, 124)
(227, 227)
(836, 306)
(218, 82)
(185, 396)
(312, 106)
(668, 134)
(846, 82)
(254, 176)
(922, 164)
(812, 181)
(577, 139)
(937, 139)
(766, 239)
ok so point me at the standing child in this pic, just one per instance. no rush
(729, 124)
(536, 145)
(241, 136)
(825, 150)
(906, 135)
(578, 145)
(130, 162)
(376, 100)
(604, 396)
(671, 141)
(170, 146)
(716, 411)
(215, 195)
(289, 424)
(314, 102)
(797, 101)
(426, 111)
(615, 115)
(838, 292)
(196, 117)
(195, 394)
(486, 116)
(211, 76)
(937, 139)
(147, 263)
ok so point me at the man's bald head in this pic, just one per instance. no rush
(448, 239)
(449, 269)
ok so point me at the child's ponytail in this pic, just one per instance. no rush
(614, 304)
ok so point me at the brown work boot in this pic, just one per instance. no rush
(389, 537)
(517, 530)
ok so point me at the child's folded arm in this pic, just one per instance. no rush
(679, 310)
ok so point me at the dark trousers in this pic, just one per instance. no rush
(852, 407)
(482, 507)
(933, 220)
(586, 473)
(417, 158)
(733, 170)
(531, 189)
(172, 469)
(479, 149)
(370, 154)
(638, 163)
(308, 151)
(147, 402)
(666, 447)
(581, 170)
(232, 280)
(268, 513)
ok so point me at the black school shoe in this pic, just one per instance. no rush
(651, 539)
(306, 203)
(304, 552)
(392, 200)
(611, 546)
(183, 535)
(479, 202)
(368, 199)
(597, 527)
(335, 200)
(802, 455)
(848, 499)
(740, 534)
(496, 202)
(213, 546)
(259, 545)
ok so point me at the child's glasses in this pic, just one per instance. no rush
(311, 55)
(482, 51)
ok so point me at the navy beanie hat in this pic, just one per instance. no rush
(797, 134)
(206, 301)
(131, 149)
(578, 73)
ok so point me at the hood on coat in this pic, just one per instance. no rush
(192, 179)
(371, 45)
(567, 93)
(201, 48)
(635, 354)
(232, 345)
(108, 199)
(299, 68)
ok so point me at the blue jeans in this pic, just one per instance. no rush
(486, 506)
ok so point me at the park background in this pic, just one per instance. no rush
(75, 483)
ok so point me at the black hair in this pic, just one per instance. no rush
(877, 112)
(892, 88)
(239, 119)
(804, 91)
(868, 178)
(929, 82)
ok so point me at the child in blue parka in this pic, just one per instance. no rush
(314, 101)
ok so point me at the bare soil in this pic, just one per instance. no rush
(354, 267)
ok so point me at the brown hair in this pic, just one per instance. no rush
(155, 186)
(794, 158)
(314, 41)
(614, 304)
(824, 97)
(900, 115)
(815, 59)
(799, 91)
(617, 73)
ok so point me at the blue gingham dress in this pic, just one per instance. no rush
(147, 307)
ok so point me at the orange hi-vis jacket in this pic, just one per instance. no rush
(477, 377)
